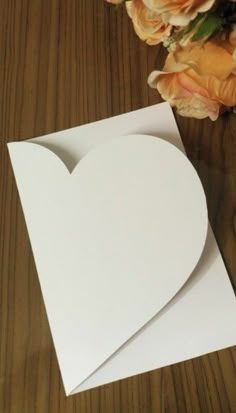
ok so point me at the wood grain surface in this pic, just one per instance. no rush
(64, 63)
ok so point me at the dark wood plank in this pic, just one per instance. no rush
(65, 63)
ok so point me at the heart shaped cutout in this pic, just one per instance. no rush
(113, 241)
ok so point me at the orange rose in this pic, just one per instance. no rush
(178, 12)
(198, 80)
(147, 24)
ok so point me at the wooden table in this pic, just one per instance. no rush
(64, 63)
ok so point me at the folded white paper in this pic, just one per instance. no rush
(117, 223)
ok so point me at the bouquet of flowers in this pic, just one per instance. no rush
(199, 75)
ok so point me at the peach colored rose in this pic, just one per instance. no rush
(198, 80)
(147, 24)
(178, 12)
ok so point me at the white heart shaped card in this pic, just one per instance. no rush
(117, 219)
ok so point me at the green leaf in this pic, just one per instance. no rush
(210, 25)
(190, 27)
